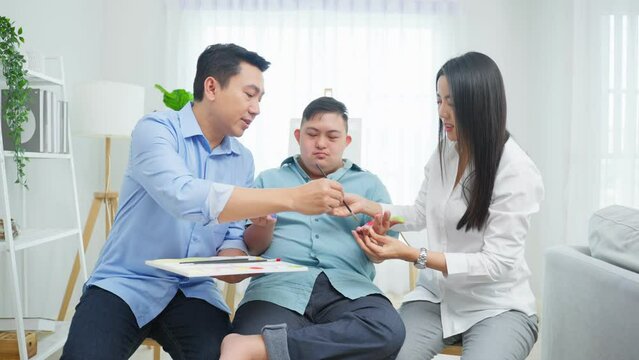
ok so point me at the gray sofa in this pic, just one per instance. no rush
(591, 293)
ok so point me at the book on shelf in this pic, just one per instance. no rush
(47, 127)
(30, 324)
(64, 118)
(33, 134)
(224, 265)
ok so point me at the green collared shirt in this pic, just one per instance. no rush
(323, 243)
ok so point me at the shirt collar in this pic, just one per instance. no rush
(294, 160)
(190, 128)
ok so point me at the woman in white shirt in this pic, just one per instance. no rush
(479, 192)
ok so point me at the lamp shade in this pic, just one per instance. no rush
(107, 108)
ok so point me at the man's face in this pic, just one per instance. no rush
(322, 141)
(237, 105)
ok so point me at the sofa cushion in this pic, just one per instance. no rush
(614, 236)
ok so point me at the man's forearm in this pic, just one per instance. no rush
(315, 197)
(246, 203)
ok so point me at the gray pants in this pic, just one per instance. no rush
(507, 336)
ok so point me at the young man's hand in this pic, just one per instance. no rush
(259, 235)
(265, 221)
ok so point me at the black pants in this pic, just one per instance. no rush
(104, 327)
(332, 327)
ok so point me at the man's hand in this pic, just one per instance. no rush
(232, 279)
(317, 197)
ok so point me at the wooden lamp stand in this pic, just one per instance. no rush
(110, 201)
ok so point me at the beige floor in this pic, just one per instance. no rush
(144, 353)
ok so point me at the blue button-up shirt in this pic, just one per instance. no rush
(174, 188)
(323, 243)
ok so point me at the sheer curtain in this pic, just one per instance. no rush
(604, 157)
(584, 116)
(378, 57)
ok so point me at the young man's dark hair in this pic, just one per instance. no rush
(325, 105)
(222, 61)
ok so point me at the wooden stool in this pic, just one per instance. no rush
(455, 349)
(157, 349)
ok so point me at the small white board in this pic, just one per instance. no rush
(224, 265)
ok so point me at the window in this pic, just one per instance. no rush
(619, 138)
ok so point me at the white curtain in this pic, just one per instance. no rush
(604, 138)
(378, 57)
(582, 65)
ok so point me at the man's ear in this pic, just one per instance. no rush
(348, 140)
(296, 133)
(211, 86)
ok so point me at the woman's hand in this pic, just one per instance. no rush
(358, 204)
(380, 247)
(382, 222)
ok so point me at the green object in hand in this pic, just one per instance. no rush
(175, 99)
(397, 219)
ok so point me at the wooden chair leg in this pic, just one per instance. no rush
(156, 352)
(452, 350)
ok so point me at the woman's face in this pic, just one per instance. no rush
(446, 108)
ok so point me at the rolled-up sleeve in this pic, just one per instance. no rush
(157, 166)
(517, 194)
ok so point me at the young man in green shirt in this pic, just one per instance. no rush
(333, 310)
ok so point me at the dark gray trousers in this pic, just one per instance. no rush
(332, 327)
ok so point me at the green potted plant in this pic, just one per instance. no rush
(15, 75)
(175, 99)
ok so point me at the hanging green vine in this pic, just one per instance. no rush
(16, 111)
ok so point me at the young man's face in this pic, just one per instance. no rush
(237, 105)
(322, 141)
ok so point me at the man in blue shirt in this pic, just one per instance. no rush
(333, 311)
(185, 193)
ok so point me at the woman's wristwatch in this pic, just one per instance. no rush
(420, 263)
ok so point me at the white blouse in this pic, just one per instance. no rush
(487, 271)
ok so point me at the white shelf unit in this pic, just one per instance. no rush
(32, 236)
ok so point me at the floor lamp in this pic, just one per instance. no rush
(107, 110)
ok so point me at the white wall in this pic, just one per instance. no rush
(72, 29)
(113, 40)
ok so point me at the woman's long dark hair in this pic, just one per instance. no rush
(479, 98)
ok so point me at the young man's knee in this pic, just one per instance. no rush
(396, 336)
